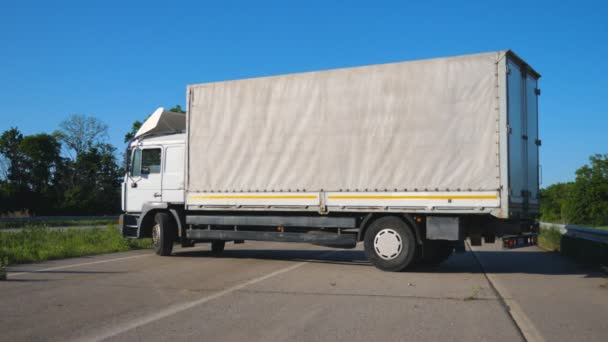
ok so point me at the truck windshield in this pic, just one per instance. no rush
(127, 160)
(136, 163)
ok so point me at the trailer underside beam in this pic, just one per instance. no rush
(344, 240)
(286, 221)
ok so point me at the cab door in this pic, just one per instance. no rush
(144, 178)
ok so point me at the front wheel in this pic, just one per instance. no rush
(390, 244)
(163, 234)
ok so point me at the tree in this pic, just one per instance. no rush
(30, 179)
(554, 202)
(96, 188)
(80, 132)
(589, 200)
(9, 147)
(134, 128)
(584, 201)
(177, 109)
(42, 156)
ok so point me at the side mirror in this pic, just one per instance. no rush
(145, 170)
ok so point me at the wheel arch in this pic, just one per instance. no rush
(147, 218)
(407, 218)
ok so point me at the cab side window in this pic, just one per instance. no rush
(146, 161)
(150, 161)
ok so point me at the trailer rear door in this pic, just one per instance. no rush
(522, 89)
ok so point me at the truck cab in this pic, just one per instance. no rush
(154, 175)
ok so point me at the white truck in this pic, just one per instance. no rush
(411, 158)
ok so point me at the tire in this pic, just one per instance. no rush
(217, 247)
(436, 252)
(390, 244)
(163, 234)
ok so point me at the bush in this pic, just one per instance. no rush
(549, 239)
(35, 244)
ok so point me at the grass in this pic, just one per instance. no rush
(35, 244)
(584, 251)
(550, 239)
(57, 223)
(3, 263)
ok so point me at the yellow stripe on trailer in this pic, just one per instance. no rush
(385, 197)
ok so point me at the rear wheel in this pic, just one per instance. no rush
(163, 234)
(390, 244)
(217, 247)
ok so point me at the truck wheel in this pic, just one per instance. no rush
(217, 247)
(390, 244)
(163, 234)
(436, 252)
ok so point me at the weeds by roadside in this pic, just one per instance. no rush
(3, 264)
(57, 223)
(35, 244)
(550, 239)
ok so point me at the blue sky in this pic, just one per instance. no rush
(120, 60)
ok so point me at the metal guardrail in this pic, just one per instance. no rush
(586, 233)
(55, 218)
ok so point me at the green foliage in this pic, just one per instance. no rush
(177, 109)
(549, 239)
(584, 201)
(37, 244)
(134, 128)
(95, 182)
(56, 223)
(33, 161)
(590, 193)
(554, 202)
(3, 264)
(40, 180)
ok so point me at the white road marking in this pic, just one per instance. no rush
(10, 275)
(525, 325)
(175, 309)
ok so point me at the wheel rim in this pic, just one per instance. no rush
(156, 234)
(388, 244)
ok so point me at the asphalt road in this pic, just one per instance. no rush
(294, 292)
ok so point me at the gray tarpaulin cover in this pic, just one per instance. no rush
(429, 124)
